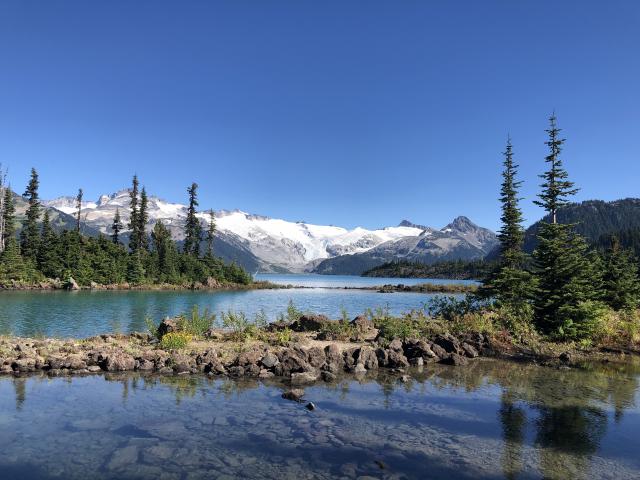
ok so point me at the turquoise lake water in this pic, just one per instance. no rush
(85, 313)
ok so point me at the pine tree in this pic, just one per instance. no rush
(8, 217)
(556, 187)
(565, 292)
(78, 209)
(12, 265)
(47, 253)
(133, 219)
(143, 218)
(510, 284)
(193, 229)
(165, 253)
(3, 188)
(621, 284)
(30, 236)
(135, 269)
(116, 227)
(211, 231)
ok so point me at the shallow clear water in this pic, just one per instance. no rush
(489, 420)
(83, 314)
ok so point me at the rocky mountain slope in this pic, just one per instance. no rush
(273, 245)
(461, 239)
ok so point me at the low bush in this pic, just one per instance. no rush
(196, 323)
(175, 341)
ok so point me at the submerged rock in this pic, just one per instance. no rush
(295, 394)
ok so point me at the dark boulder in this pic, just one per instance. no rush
(168, 325)
(469, 350)
(397, 359)
(454, 359)
(450, 343)
(309, 323)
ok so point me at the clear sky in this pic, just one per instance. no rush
(333, 112)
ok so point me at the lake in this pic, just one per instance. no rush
(490, 420)
(86, 313)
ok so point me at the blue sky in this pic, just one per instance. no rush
(335, 112)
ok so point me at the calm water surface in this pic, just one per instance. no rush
(491, 420)
(84, 314)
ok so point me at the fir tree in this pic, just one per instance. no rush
(3, 188)
(133, 218)
(211, 231)
(143, 218)
(116, 227)
(30, 236)
(135, 269)
(621, 285)
(556, 188)
(8, 217)
(510, 284)
(78, 209)
(165, 253)
(47, 252)
(193, 229)
(564, 273)
(12, 265)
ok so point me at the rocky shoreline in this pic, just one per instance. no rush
(307, 358)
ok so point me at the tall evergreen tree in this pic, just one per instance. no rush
(563, 270)
(556, 188)
(510, 284)
(8, 217)
(192, 229)
(3, 188)
(47, 252)
(116, 227)
(12, 265)
(30, 235)
(143, 218)
(134, 222)
(165, 253)
(211, 231)
(620, 281)
(78, 209)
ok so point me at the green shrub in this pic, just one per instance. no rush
(175, 341)
(340, 330)
(195, 323)
(587, 320)
(283, 337)
(240, 327)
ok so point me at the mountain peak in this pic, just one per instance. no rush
(461, 224)
(410, 224)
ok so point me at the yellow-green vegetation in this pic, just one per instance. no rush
(175, 340)
(196, 323)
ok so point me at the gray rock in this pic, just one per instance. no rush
(270, 360)
(469, 350)
(302, 378)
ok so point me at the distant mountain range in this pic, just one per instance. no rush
(266, 244)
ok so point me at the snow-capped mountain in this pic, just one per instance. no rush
(269, 244)
(461, 239)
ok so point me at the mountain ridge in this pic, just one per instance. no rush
(262, 243)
